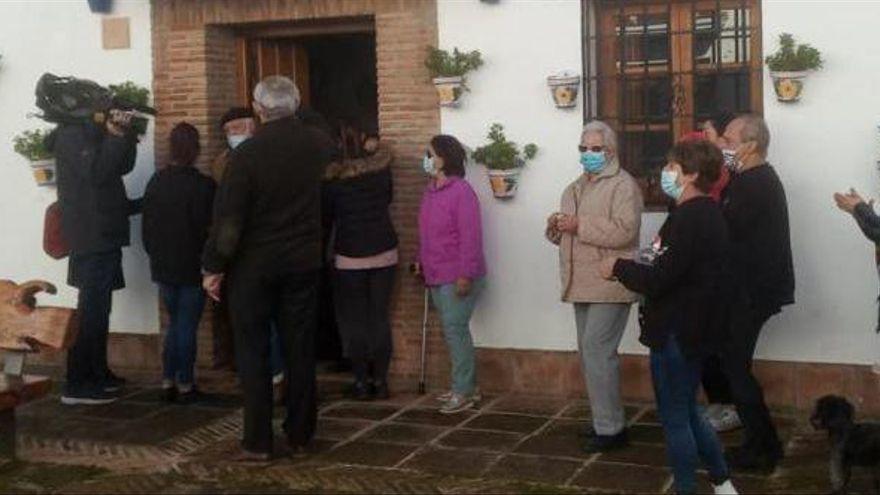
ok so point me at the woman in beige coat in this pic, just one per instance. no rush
(600, 218)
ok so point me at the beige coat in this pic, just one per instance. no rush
(609, 211)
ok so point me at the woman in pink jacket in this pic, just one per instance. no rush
(451, 261)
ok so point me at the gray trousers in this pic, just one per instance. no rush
(600, 327)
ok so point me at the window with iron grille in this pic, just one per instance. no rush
(656, 70)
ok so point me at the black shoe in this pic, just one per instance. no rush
(112, 382)
(191, 396)
(750, 459)
(90, 397)
(606, 443)
(360, 391)
(169, 394)
(380, 390)
(587, 433)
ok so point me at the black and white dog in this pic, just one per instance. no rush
(852, 444)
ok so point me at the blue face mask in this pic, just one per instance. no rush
(593, 161)
(428, 165)
(236, 139)
(669, 185)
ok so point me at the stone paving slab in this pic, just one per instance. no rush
(510, 444)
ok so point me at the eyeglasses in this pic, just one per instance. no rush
(594, 149)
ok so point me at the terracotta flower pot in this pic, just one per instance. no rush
(564, 88)
(788, 85)
(504, 182)
(44, 172)
(449, 89)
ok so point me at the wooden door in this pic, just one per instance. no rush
(258, 58)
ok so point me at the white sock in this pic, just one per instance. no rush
(725, 488)
(166, 384)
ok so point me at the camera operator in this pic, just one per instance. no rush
(91, 161)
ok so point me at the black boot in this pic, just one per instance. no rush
(606, 443)
(360, 391)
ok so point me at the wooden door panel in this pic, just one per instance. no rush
(259, 58)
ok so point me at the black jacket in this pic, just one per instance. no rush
(357, 194)
(756, 211)
(94, 207)
(267, 214)
(685, 288)
(177, 213)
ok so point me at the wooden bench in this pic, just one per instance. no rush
(26, 328)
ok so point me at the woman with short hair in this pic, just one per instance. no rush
(681, 316)
(451, 261)
(177, 213)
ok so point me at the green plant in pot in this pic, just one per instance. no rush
(448, 72)
(790, 65)
(504, 160)
(32, 145)
(134, 94)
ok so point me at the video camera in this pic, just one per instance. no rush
(69, 100)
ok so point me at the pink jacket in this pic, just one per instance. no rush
(450, 233)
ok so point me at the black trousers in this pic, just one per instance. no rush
(363, 300)
(715, 382)
(97, 276)
(736, 358)
(291, 300)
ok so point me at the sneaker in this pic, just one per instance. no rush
(587, 432)
(725, 488)
(606, 443)
(726, 420)
(477, 396)
(445, 396)
(190, 396)
(713, 411)
(113, 383)
(456, 404)
(88, 397)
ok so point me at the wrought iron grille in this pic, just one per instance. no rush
(656, 70)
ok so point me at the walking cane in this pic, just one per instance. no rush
(422, 362)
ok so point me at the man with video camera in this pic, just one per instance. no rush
(91, 160)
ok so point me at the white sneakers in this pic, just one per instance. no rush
(454, 403)
(723, 417)
(725, 488)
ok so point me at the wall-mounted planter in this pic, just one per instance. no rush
(788, 85)
(564, 89)
(100, 6)
(44, 172)
(449, 89)
(504, 182)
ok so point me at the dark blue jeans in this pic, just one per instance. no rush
(184, 305)
(689, 437)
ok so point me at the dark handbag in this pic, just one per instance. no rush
(54, 242)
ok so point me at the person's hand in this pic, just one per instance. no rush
(211, 283)
(606, 268)
(567, 223)
(848, 201)
(551, 232)
(463, 286)
(118, 122)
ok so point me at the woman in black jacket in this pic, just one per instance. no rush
(357, 194)
(177, 214)
(683, 302)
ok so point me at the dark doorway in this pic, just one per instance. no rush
(336, 74)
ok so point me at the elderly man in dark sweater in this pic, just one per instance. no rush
(756, 211)
(266, 241)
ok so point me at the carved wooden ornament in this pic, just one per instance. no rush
(25, 326)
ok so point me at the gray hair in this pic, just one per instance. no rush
(755, 129)
(609, 137)
(277, 96)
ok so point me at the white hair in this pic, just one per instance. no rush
(277, 96)
(609, 137)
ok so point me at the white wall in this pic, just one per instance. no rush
(65, 38)
(827, 142)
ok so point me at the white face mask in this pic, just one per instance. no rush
(235, 139)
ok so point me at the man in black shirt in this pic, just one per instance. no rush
(762, 276)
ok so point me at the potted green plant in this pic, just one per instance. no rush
(448, 72)
(32, 145)
(133, 94)
(789, 67)
(504, 161)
